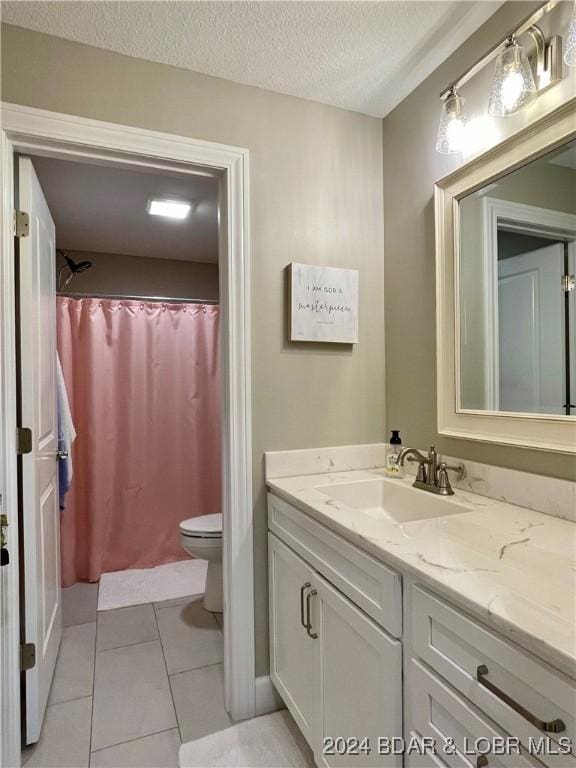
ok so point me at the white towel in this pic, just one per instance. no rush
(66, 433)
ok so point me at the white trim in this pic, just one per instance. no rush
(267, 697)
(527, 219)
(543, 432)
(9, 575)
(41, 132)
(490, 277)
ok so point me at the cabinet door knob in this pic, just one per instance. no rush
(303, 589)
(309, 597)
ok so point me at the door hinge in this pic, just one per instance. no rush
(4, 554)
(568, 283)
(21, 223)
(27, 656)
(23, 440)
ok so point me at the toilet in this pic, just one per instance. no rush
(202, 537)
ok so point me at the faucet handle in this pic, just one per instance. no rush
(443, 484)
(459, 469)
(422, 474)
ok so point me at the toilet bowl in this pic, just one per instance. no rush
(202, 537)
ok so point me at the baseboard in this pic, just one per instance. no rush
(267, 697)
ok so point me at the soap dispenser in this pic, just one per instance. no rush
(392, 468)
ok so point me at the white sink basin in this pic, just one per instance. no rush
(385, 499)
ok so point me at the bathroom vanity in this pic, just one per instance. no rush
(408, 629)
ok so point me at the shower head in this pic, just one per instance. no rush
(74, 268)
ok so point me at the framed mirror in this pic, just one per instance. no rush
(506, 290)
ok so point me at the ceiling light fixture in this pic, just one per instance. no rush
(170, 209)
(513, 86)
(570, 47)
(452, 128)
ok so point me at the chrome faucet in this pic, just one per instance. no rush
(432, 472)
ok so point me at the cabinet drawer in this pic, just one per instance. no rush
(416, 760)
(512, 687)
(371, 585)
(439, 713)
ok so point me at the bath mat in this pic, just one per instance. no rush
(152, 585)
(272, 741)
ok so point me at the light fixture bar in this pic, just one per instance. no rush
(529, 21)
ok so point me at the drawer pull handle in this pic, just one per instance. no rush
(481, 761)
(303, 589)
(309, 596)
(553, 726)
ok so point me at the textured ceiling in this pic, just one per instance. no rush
(362, 56)
(103, 210)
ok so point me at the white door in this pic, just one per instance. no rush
(361, 683)
(572, 326)
(40, 504)
(294, 655)
(531, 331)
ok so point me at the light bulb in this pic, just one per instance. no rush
(452, 128)
(481, 133)
(570, 45)
(513, 86)
(512, 89)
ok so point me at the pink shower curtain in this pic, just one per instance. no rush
(143, 383)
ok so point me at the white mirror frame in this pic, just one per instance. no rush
(541, 431)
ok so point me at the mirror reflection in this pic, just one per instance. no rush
(517, 290)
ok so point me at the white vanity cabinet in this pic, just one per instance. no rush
(466, 684)
(294, 655)
(338, 671)
(360, 652)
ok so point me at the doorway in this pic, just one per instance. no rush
(38, 133)
(536, 329)
(528, 300)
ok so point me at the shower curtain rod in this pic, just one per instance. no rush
(125, 297)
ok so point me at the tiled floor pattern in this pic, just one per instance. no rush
(131, 684)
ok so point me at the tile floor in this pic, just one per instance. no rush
(131, 684)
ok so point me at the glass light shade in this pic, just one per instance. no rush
(513, 86)
(452, 128)
(570, 45)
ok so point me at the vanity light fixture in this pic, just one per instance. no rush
(513, 86)
(570, 47)
(520, 76)
(452, 128)
(170, 209)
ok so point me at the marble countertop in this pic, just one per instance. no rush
(512, 567)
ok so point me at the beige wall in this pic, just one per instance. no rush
(316, 196)
(114, 274)
(540, 184)
(411, 166)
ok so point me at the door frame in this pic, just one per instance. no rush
(40, 132)
(527, 219)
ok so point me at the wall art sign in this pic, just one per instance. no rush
(324, 304)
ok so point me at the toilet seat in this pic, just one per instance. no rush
(202, 527)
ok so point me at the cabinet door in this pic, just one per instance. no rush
(361, 682)
(294, 655)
